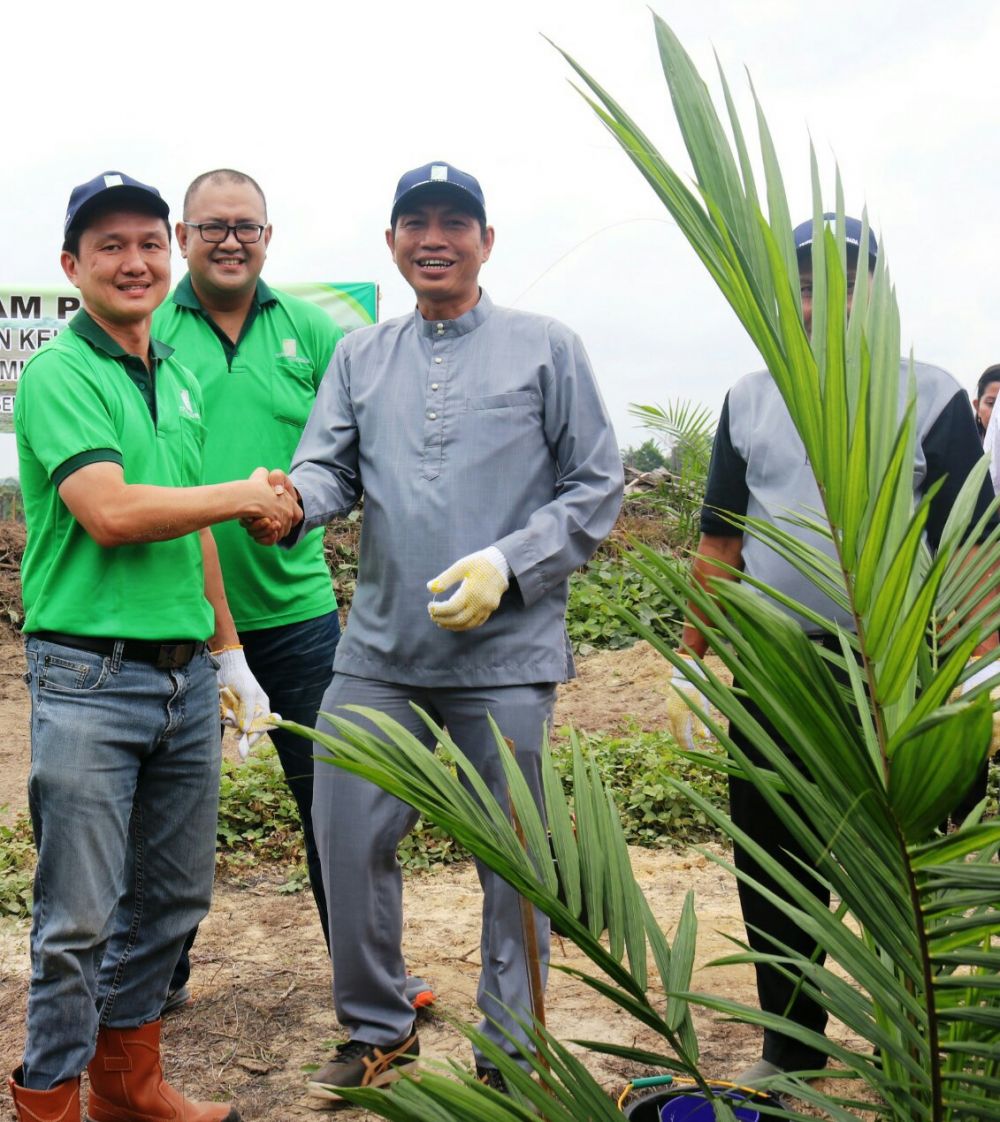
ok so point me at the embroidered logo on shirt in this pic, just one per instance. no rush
(288, 348)
(187, 409)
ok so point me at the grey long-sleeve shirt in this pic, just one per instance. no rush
(484, 430)
(759, 468)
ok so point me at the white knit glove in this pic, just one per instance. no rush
(243, 705)
(484, 576)
(974, 680)
(684, 724)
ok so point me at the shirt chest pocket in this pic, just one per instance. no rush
(192, 445)
(180, 442)
(518, 401)
(292, 390)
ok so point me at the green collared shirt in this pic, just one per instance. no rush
(257, 394)
(78, 402)
(186, 297)
(142, 378)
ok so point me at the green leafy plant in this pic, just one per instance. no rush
(686, 429)
(647, 457)
(591, 619)
(259, 825)
(642, 771)
(17, 867)
(576, 870)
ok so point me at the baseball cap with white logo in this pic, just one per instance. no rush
(802, 235)
(437, 178)
(128, 190)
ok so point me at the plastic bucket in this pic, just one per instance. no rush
(656, 1107)
(696, 1108)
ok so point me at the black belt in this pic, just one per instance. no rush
(164, 656)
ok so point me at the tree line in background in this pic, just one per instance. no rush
(11, 506)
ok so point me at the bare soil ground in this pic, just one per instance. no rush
(262, 1011)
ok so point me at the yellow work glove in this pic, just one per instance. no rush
(974, 680)
(243, 705)
(684, 724)
(484, 576)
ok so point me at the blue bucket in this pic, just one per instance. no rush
(696, 1108)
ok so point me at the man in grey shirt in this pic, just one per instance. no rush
(487, 461)
(759, 470)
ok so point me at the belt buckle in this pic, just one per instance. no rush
(172, 656)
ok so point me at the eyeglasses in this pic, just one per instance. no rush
(215, 232)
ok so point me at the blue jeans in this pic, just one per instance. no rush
(123, 794)
(294, 665)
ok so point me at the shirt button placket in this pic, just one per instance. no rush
(434, 408)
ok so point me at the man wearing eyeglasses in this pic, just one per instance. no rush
(259, 355)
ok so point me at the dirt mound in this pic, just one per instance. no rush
(615, 690)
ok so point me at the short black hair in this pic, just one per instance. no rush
(71, 242)
(222, 175)
(989, 375)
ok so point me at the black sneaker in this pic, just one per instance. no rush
(176, 999)
(491, 1077)
(358, 1064)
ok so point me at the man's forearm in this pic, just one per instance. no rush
(117, 513)
(714, 551)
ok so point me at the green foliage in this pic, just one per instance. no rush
(258, 818)
(583, 862)
(641, 770)
(591, 619)
(880, 760)
(11, 502)
(647, 457)
(259, 824)
(687, 429)
(17, 867)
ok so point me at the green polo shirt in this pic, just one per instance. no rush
(257, 394)
(81, 399)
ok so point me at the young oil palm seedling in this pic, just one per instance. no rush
(881, 738)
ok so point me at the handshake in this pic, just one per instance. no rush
(273, 507)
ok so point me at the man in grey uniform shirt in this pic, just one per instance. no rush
(759, 469)
(489, 469)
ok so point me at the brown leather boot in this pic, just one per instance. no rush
(61, 1104)
(127, 1084)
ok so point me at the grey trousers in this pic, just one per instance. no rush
(358, 827)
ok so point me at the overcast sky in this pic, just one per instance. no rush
(327, 104)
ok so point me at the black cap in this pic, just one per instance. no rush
(802, 235)
(439, 177)
(127, 190)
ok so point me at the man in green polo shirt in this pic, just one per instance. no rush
(259, 356)
(123, 603)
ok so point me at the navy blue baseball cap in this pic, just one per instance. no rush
(803, 234)
(439, 178)
(128, 190)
